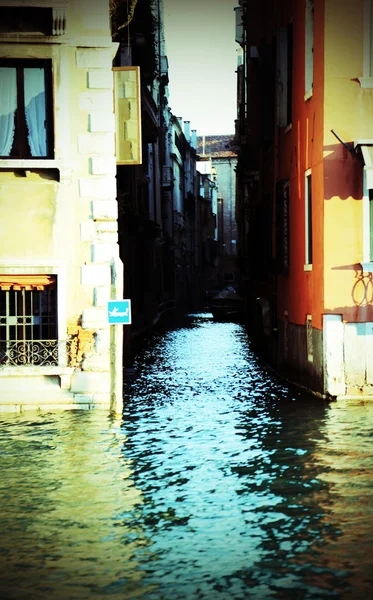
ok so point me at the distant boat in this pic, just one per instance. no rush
(227, 305)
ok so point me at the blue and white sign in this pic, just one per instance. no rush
(119, 312)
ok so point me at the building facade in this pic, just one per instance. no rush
(220, 150)
(59, 253)
(305, 130)
(208, 227)
(158, 195)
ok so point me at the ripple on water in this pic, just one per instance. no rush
(219, 483)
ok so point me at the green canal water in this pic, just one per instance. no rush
(218, 483)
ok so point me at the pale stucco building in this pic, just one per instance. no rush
(59, 258)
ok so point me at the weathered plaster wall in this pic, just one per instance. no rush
(60, 214)
(300, 149)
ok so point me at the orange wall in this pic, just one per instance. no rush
(299, 149)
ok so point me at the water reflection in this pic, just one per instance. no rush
(345, 466)
(68, 504)
(233, 466)
(219, 483)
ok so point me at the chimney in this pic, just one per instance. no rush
(194, 139)
(187, 130)
(239, 57)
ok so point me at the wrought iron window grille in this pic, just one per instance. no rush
(37, 353)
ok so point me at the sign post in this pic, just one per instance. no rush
(119, 312)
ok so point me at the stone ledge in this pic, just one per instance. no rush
(17, 372)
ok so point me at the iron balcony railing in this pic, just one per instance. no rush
(36, 353)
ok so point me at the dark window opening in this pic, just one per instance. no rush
(309, 220)
(178, 143)
(26, 19)
(282, 226)
(290, 73)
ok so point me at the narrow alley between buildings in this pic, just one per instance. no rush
(219, 483)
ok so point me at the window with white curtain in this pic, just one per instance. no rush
(25, 109)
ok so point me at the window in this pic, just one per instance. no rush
(28, 20)
(367, 79)
(282, 226)
(308, 217)
(179, 143)
(289, 103)
(285, 75)
(367, 155)
(28, 320)
(309, 338)
(25, 109)
(286, 334)
(309, 49)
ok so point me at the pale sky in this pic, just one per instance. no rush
(202, 58)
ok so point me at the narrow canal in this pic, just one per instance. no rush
(219, 483)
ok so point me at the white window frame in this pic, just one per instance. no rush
(367, 261)
(307, 224)
(309, 42)
(367, 80)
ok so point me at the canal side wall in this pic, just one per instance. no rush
(334, 362)
(300, 355)
(315, 151)
(59, 220)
